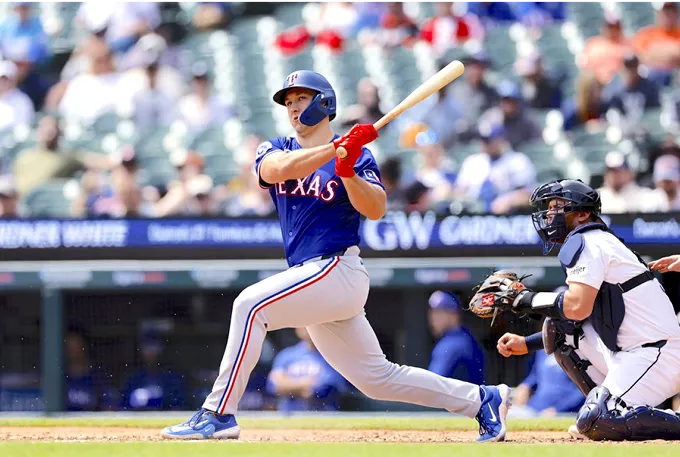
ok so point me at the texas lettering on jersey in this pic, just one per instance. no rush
(316, 215)
(309, 187)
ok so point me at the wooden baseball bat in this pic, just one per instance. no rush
(443, 77)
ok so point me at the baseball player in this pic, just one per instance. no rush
(614, 331)
(319, 198)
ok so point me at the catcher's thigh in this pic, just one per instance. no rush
(351, 347)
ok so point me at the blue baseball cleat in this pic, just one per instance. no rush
(204, 425)
(491, 416)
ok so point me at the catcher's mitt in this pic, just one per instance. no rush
(497, 293)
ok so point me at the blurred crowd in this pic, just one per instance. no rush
(129, 60)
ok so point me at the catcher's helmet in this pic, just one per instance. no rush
(577, 196)
(323, 104)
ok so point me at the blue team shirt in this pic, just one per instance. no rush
(457, 355)
(553, 387)
(300, 361)
(316, 215)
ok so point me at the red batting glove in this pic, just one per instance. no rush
(345, 167)
(363, 133)
(353, 141)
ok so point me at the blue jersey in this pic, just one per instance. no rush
(316, 215)
(457, 355)
(301, 361)
(553, 388)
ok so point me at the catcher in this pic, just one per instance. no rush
(613, 331)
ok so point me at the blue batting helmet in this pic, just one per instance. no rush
(577, 196)
(324, 103)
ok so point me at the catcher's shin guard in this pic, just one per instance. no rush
(596, 421)
(566, 357)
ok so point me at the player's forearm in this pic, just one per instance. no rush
(369, 199)
(296, 164)
(285, 385)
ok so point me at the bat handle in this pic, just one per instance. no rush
(341, 152)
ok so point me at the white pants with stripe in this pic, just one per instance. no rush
(327, 297)
(641, 376)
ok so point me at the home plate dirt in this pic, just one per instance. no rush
(260, 435)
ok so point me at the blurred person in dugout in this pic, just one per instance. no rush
(86, 388)
(456, 354)
(303, 380)
(154, 386)
(547, 390)
(243, 196)
(621, 194)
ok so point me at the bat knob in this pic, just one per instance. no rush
(341, 152)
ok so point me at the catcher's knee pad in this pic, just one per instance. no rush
(598, 422)
(554, 337)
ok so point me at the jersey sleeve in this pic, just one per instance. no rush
(263, 150)
(589, 268)
(367, 168)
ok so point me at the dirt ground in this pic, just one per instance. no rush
(254, 436)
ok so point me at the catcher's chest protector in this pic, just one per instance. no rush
(609, 308)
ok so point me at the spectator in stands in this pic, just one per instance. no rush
(211, 15)
(199, 197)
(120, 25)
(189, 165)
(539, 90)
(390, 173)
(303, 380)
(121, 196)
(200, 109)
(24, 42)
(498, 177)
(603, 54)
(95, 93)
(539, 14)
(446, 29)
(667, 180)
(474, 93)
(34, 167)
(587, 107)
(154, 89)
(621, 194)
(445, 118)
(418, 197)
(243, 196)
(518, 122)
(15, 106)
(396, 27)
(632, 94)
(492, 12)
(434, 169)
(658, 45)
(24, 30)
(367, 109)
(456, 354)
(9, 198)
(547, 390)
(154, 386)
(152, 49)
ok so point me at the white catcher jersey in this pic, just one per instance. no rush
(649, 312)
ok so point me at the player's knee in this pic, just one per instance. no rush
(244, 302)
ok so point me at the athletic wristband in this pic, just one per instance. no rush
(534, 342)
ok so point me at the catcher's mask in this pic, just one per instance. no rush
(575, 195)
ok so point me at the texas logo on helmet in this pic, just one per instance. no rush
(291, 78)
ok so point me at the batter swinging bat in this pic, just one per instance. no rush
(443, 77)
